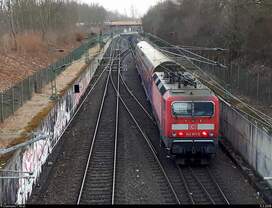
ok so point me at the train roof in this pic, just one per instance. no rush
(158, 60)
(174, 88)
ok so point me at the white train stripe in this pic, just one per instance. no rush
(204, 140)
(184, 140)
(205, 126)
(193, 140)
(186, 127)
(180, 127)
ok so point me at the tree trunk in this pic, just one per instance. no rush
(12, 28)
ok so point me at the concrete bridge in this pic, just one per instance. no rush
(126, 26)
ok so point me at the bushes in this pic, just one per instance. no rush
(30, 43)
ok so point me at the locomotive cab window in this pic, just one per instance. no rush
(203, 109)
(182, 109)
(188, 109)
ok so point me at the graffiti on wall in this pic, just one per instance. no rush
(31, 158)
(35, 155)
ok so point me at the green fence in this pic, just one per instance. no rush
(238, 78)
(15, 97)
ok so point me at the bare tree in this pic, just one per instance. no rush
(10, 13)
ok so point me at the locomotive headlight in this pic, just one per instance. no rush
(204, 133)
(174, 134)
(211, 134)
(180, 133)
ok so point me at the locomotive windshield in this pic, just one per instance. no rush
(182, 109)
(189, 109)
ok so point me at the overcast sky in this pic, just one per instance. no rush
(124, 6)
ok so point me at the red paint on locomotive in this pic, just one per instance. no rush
(187, 116)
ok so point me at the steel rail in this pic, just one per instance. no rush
(91, 152)
(196, 178)
(189, 192)
(186, 185)
(151, 147)
(116, 130)
(127, 52)
(136, 99)
(217, 185)
(95, 132)
(199, 182)
(83, 101)
(93, 141)
(202, 186)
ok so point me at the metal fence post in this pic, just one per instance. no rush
(2, 107)
(39, 79)
(238, 76)
(22, 93)
(28, 88)
(12, 97)
(258, 82)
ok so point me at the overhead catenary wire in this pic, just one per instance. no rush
(184, 50)
(267, 121)
(218, 85)
(194, 59)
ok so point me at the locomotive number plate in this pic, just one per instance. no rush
(193, 134)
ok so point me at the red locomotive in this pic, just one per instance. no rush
(186, 111)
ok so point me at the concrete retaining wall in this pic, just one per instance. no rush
(31, 158)
(251, 141)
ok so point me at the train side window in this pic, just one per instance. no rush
(158, 81)
(159, 85)
(155, 76)
(161, 88)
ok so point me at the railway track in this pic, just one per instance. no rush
(179, 185)
(98, 182)
(201, 186)
(99, 179)
(140, 129)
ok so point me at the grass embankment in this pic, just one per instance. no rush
(33, 53)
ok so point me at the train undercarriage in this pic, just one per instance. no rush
(189, 150)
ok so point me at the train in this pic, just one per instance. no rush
(186, 111)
